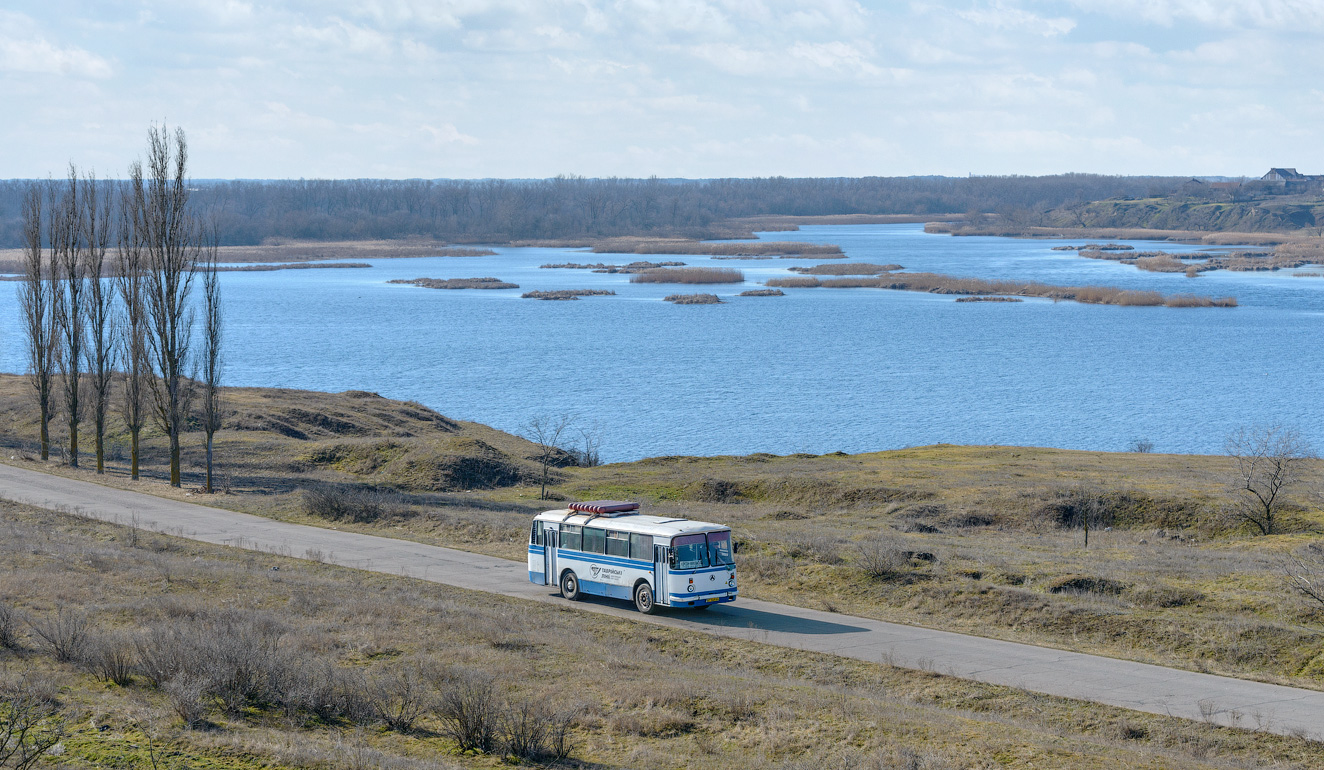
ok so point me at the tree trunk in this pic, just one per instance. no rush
(101, 442)
(209, 489)
(133, 454)
(174, 456)
(73, 438)
(45, 429)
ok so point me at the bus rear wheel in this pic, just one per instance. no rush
(570, 586)
(643, 599)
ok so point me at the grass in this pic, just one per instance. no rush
(457, 283)
(643, 697)
(567, 294)
(693, 299)
(935, 283)
(689, 275)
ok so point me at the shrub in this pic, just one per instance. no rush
(689, 275)
(186, 694)
(8, 627)
(880, 557)
(357, 504)
(714, 491)
(532, 731)
(64, 633)
(1085, 584)
(468, 711)
(819, 548)
(399, 695)
(109, 658)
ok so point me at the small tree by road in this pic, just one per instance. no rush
(1266, 462)
(547, 431)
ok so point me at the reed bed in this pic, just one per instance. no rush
(633, 267)
(763, 293)
(1096, 247)
(989, 299)
(567, 294)
(689, 275)
(846, 268)
(457, 283)
(693, 299)
(686, 246)
(290, 266)
(1308, 275)
(935, 283)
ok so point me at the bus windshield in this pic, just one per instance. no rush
(719, 549)
(691, 552)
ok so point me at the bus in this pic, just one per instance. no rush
(608, 548)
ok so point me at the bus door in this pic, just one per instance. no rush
(662, 575)
(549, 555)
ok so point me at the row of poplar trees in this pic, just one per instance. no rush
(108, 296)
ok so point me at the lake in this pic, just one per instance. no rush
(818, 370)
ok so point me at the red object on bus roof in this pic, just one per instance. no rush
(604, 506)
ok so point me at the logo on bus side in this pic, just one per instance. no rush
(606, 574)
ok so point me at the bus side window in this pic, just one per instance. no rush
(618, 544)
(571, 537)
(641, 547)
(535, 534)
(595, 540)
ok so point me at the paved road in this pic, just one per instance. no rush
(1139, 686)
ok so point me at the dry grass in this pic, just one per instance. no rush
(300, 664)
(457, 283)
(935, 283)
(689, 275)
(693, 299)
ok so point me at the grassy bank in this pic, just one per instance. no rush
(282, 663)
(935, 283)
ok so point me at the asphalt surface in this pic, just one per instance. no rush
(1139, 686)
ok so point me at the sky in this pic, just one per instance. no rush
(672, 88)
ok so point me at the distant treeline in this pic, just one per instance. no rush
(493, 211)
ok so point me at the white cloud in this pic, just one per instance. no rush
(24, 49)
(1001, 16)
(1226, 14)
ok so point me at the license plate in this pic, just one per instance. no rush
(712, 599)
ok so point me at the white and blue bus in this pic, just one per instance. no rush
(607, 548)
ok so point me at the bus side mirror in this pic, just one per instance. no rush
(671, 558)
(735, 546)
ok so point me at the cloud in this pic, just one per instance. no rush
(1001, 16)
(1224, 14)
(24, 49)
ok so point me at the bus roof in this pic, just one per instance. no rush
(657, 526)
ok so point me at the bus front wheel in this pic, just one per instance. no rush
(643, 599)
(570, 586)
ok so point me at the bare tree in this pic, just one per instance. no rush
(1266, 461)
(100, 307)
(133, 322)
(171, 241)
(546, 431)
(70, 301)
(211, 350)
(35, 300)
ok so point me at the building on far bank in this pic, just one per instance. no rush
(1293, 181)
